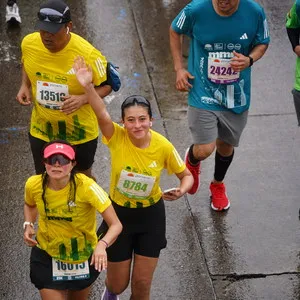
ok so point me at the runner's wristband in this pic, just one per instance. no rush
(27, 223)
(104, 242)
(251, 60)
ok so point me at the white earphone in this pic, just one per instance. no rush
(68, 30)
(150, 123)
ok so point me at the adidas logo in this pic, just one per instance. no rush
(244, 37)
(71, 72)
(153, 164)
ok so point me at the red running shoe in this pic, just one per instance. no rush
(219, 199)
(195, 170)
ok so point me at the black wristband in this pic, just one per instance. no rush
(251, 60)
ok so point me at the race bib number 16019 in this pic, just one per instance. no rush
(62, 271)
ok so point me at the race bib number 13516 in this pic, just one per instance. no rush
(50, 94)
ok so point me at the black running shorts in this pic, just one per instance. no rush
(144, 232)
(41, 273)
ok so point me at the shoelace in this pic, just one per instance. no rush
(194, 169)
(219, 191)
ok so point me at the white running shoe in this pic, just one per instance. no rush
(12, 13)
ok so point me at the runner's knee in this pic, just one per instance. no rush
(117, 286)
(224, 148)
(140, 288)
(203, 151)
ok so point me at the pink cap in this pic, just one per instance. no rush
(58, 148)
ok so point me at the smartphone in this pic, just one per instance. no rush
(170, 190)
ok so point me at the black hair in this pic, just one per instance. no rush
(136, 100)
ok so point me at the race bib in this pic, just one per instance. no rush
(220, 71)
(62, 271)
(134, 185)
(49, 94)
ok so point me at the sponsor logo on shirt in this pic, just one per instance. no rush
(221, 54)
(51, 77)
(230, 46)
(237, 46)
(244, 37)
(181, 20)
(71, 72)
(153, 164)
(218, 46)
(208, 47)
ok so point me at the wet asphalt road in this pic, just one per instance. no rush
(250, 252)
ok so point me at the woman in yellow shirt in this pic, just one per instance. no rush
(138, 155)
(66, 256)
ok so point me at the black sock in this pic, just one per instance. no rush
(222, 164)
(192, 159)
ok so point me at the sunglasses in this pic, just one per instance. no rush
(60, 158)
(51, 18)
(135, 99)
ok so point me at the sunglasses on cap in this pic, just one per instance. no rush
(135, 99)
(51, 18)
(60, 158)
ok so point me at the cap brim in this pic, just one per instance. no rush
(57, 148)
(65, 153)
(49, 26)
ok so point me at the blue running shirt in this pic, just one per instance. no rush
(213, 39)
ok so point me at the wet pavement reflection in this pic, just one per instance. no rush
(251, 251)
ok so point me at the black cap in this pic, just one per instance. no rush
(53, 14)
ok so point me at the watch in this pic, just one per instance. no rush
(251, 60)
(27, 223)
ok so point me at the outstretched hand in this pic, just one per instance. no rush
(83, 71)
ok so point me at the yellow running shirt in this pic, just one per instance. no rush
(135, 172)
(67, 230)
(52, 76)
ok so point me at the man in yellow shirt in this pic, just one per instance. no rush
(60, 108)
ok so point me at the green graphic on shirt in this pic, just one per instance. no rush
(75, 253)
(77, 134)
(139, 204)
(62, 130)
(127, 204)
(151, 201)
(74, 247)
(62, 251)
(49, 129)
(79, 131)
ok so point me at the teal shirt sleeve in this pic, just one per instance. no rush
(183, 22)
(262, 35)
(292, 19)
